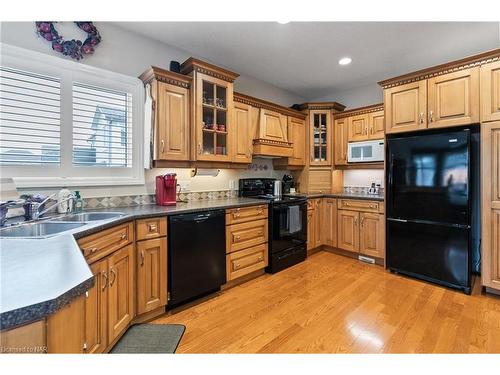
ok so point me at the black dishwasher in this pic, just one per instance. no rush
(196, 255)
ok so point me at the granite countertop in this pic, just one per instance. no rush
(371, 197)
(39, 276)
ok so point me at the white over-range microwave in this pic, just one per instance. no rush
(365, 152)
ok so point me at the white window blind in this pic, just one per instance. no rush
(102, 127)
(30, 122)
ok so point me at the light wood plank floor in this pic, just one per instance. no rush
(333, 304)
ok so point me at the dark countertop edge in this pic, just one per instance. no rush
(29, 314)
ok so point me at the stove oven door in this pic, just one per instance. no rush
(289, 225)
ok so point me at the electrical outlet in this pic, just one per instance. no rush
(184, 185)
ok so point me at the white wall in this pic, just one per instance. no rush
(128, 53)
(358, 97)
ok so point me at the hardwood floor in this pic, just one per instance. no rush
(333, 304)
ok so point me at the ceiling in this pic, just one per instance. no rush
(302, 57)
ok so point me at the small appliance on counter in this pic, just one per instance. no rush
(166, 189)
(288, 184)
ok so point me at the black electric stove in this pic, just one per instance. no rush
(287, 222)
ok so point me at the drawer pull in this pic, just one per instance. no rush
(123, 236)
(237, 238)
(235, 215)
(152, 227)
(260, 233)
(261, 259)
(236, 266)
(93, 250)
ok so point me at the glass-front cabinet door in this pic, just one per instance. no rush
(213, 125)
(320, 140)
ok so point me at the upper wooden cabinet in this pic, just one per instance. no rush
(358, 128)
(406, 107)
(340, 138)
(376, 125)
(242, 136)
(490, 92)
(453, 99)
(460, 92)
(169, 92)
(212, 106)
(297, 136)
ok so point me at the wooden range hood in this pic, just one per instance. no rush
(269, 127)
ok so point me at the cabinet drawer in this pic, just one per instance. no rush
(151, 228)
(243, 262)
(105, 242)
(244, 235)
(243, 214)
(361, 205)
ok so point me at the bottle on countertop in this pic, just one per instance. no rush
(64, 205)
(78, 202)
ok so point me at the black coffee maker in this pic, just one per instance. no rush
(288, 183)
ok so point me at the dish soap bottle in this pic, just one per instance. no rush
(78, 202)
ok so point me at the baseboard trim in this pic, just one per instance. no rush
(492, 291)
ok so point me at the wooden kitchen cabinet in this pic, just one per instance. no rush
(151, 274)
(348, 230)
(376, 125)
(453, 99)
(121, 276)
(358, 128)
(297, 136)
(310, 229)
(329, 217)
(66, 328)
(340, 137)
(170, 94)
(490, 205)
(96, 310)
(406, 107)
(318, 208)
(212, 108)
(490, 92)
(320, 139)
(244, 262)
(242, 137)
(372, 234)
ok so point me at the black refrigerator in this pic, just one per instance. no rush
(432, 228)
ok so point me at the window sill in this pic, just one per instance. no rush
(46, 182)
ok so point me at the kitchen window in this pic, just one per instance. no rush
(66, 123)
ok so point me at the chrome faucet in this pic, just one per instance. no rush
(36, 213)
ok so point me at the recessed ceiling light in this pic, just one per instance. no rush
(345, 61)
(283, 22)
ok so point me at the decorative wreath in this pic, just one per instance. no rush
(73, 48)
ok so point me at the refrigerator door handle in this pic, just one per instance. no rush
(398, 220)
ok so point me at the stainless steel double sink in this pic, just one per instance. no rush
(50, 227)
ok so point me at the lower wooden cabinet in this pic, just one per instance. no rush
(361, 232)
(244, 262)
(96, 310)
(348, 230)
(66, 327)
(121, 291)
(151, 274)
(318, 228)
(310, 229)
(329, 216)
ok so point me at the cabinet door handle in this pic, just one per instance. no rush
(362, 221)
(142, 258)
(112, 281)
(431, 114)
(355, 221)
(421, 118)
(162, 146)
(199, 148)
(105, 277)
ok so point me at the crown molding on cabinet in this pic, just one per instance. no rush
(360, 111)
(166, 76)
(259, 103)
(200, 66)
(453, 66)
(322, 105)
